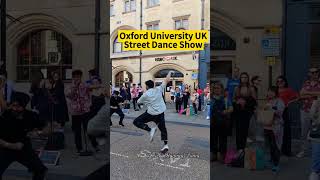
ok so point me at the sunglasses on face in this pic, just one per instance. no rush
(314, 72)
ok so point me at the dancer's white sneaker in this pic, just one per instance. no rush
(152, 133)
(165, 149)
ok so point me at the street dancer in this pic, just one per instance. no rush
(115, 102)
(156, 107)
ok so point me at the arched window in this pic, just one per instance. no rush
(221, 41)
(45, 51)
(123, 77)
(117, 46)
(164, 72)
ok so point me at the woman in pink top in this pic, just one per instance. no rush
(135, 96)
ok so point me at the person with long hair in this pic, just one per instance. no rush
(273, 132)
(221, 108)
(309, 93)
(186, 97)
(60, 108)
(40, 101)
(286, 94)
(178, 99)
(245, 102)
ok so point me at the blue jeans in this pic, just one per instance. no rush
(316, 157)
(208, 110)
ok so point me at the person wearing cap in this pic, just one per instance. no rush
(15, 145)
(115, 102)
(309, 92)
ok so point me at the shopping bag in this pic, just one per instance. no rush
(188, 111)
(254, 158)
(181, 111)
(265, 117)
(250, 159)
(260, 159)
(192, 111)
(230, 156)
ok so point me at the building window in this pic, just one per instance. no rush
(163, 73)
(117, 46)
(129, 5)
(111, 10)
(154, 26)
(181, 24)
(152, 3)
(122, 78)
(44, 51)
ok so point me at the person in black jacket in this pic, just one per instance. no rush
(15, 145)
(115, 102)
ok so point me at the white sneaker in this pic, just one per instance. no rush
(301, 154)
(208, 117)
(152, 133)
(165, 148)
(314, 176)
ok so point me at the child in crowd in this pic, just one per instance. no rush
(274, 132)
(195, 101)
(220, 109)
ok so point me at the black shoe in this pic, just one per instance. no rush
(79, 151)
(121, 124)
(110, 124)
(97, 149)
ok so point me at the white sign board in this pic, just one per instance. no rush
(270, 46)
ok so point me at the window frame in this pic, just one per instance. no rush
(30, 56)
(149, 5)
(132, 6)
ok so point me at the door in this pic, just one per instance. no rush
(221, 69)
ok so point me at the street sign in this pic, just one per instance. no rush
(194, 75)
(271, 61)
(270, 46)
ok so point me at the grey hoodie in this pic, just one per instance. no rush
(97, 126)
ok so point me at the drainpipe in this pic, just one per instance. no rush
(284, 43)
(201, 54)
(3, 35)
(97, 35)
(140, 52)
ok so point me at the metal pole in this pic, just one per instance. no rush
(140, 52)
(199, 57)
(284, 43)
(3, 35)
(97, 36)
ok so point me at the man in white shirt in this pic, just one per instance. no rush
(156, 107)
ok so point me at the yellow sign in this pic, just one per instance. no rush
(163, 39)
(275, 30)
(271, 61)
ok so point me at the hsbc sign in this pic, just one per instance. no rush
(167, 58)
